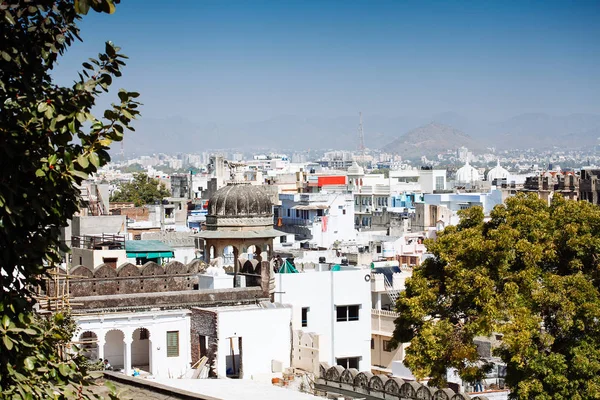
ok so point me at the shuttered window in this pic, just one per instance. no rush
(173, 344)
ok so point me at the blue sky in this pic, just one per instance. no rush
(237, 61)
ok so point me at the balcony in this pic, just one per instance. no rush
(382, 322)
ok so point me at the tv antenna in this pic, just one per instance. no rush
(361, 137)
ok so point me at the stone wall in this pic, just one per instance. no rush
(167, 300)
(128, 279)
(204, 323)
(365, 385)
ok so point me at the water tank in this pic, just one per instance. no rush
(322, 260)
(388, 250)
(344, 261)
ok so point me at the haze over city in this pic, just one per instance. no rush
(239, 68)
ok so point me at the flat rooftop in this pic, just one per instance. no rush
(235, 389)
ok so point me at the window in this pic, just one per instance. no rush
(348, 362)
(347, 313)
(439, 183)
(387, 346)
(297, 213)
(288, 212)
(173, 344)
(344, 211)
(372, 344)
(305, 317)
(356, 201)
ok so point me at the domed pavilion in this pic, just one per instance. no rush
(498, 173)
(239, 215)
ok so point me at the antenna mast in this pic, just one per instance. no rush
(361, 137)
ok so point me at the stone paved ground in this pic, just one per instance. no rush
(127, 392)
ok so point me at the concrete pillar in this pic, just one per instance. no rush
(378, 303)
(127, 354)
(101, 343)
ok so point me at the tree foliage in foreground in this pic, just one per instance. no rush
(532, 274)
(49, 142)
(142, 190)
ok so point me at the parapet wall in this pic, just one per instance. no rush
(350, 381)
(130, 279)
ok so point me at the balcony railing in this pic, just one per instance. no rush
(382, 322)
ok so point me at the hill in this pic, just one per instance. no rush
(430, 139)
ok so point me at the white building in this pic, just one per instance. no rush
(154, 341)
(321, 218)
(387, 281)
(467, 174)
(460, 201)
(336, 306)
(253, 340)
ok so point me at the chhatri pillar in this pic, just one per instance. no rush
(239, 215)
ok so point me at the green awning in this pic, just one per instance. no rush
(287, 268)
(158, 254)
(148, 249)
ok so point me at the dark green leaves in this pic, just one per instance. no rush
(50, 143)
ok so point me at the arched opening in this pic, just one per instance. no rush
(211, 254)
(249, 253)
(258, 256)
(114, 349)
(141, 350)
(228, 256)
(88, 343)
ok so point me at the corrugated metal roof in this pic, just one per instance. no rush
(146, 246)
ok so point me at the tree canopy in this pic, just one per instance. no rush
(50, 141)
(142, 190)
(530, 274)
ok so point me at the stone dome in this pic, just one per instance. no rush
(497, 173)
(240, 201)
(355, 169)
(467, 174)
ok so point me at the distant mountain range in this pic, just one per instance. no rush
(430, 139)
(401, 134)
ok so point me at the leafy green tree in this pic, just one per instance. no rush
(384, 171)
(41, 165)
(142, 190)
(531, 274)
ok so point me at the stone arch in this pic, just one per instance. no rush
(114, 348)
(228, 254)
(88, 343)
(443, 394)
(409, 389)
(362, 379)
(334, 373)
(152, 268)
(81, 272)
(323, 367)
(258, 268)
(425, 392)
(175, 268)
(393, 385)
(128, 269)
(105, 271)
(377, 382)
(249, 266)
(196, 267)
(348, 376)
(461, 396)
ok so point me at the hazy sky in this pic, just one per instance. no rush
(250, 60)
